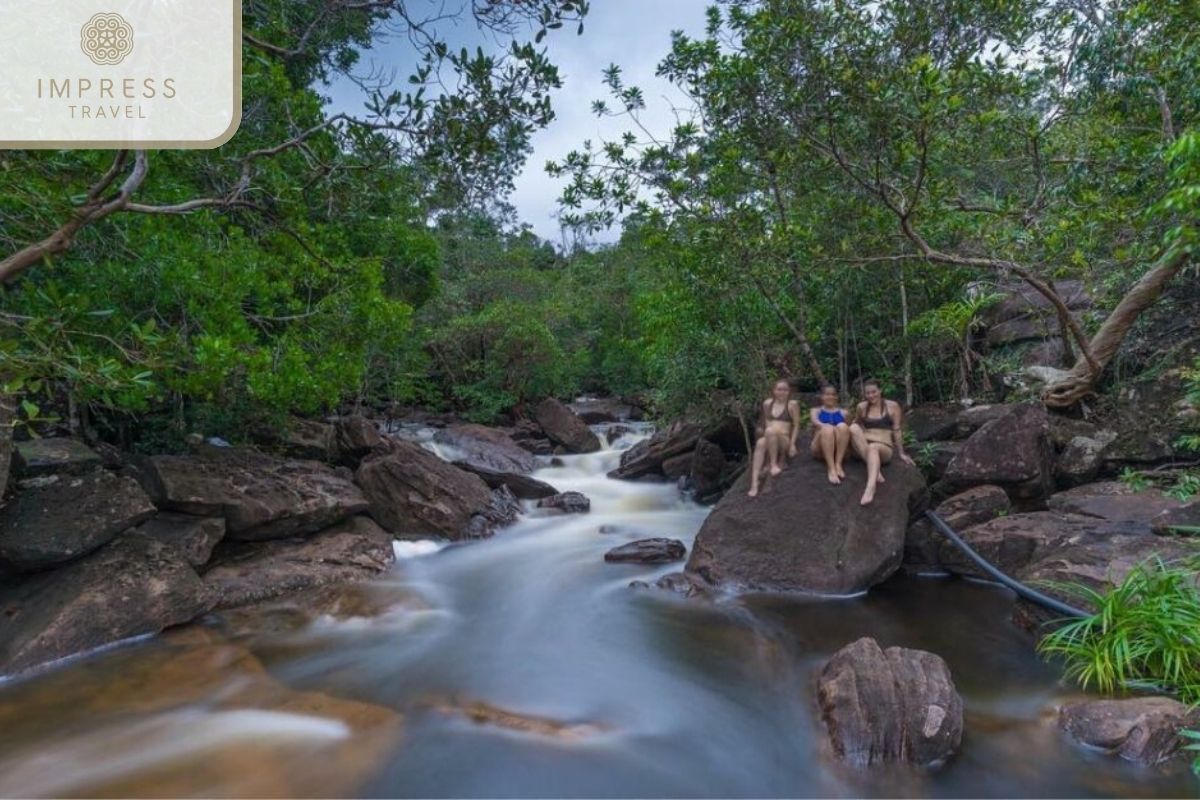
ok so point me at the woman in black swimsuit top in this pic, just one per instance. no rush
(876, 437)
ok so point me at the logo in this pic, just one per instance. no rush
(106, 39)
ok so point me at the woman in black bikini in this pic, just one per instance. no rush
(877, 433)
(777, 433)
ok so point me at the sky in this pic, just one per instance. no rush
(634, 34)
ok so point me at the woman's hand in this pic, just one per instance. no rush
(907, 459)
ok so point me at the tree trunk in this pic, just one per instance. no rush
(1081, 380)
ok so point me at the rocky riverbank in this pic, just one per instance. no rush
(98, 546)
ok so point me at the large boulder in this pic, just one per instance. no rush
(647, 551)
(1082, 458)
(478, 447)
(68, 517)
(567, 503)
(930, 423)
(1144, 730)
(565, 428)
(645, 459)
(802, 533)
(250, 572)
(1115, 501)
(261, 497)
(132, 586)
(706, 469)
(354, 437)
(412, 492)
(304, 438)
(972, 507)
(895, 705)
(1012, 451)
(192, 537)
(60, 456)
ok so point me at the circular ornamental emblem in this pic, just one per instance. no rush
(107, 39)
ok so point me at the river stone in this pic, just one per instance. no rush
(599, 410)
(307, 438)
(414, 493)
(486, 449)
(894, 705)
(132, 586)
(250, 572)
(565, 428)
(647, 551)
(932, 422)
(193, 537)
(707, 469)
(567, 503)
(646, 458)
(972, 507)
(804, 534)
(521, 486)
(1116, 502)
(69, 517)
(61, 456)
(676, 467)
(261, 497)
(972, 419)
(1012, 451)
(1013, 542)
(1144, 730)
(1081, 459)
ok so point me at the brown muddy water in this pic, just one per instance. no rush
(525, 666)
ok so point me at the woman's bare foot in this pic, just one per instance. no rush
(776, 469)
(753, 491)
(841, 473)
(834, 478)
(868, 496)
(882, 479)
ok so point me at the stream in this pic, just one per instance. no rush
(524, 665)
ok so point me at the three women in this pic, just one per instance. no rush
(876, 434)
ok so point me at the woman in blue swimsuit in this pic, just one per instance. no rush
(831, 433)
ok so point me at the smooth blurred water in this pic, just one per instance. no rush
(525, 666)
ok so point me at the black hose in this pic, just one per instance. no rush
(1021, 589)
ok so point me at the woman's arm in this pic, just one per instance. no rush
(794, 408)
(814, 417)
(898, 433)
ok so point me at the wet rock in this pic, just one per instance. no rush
(972, 507)
(647, 551)
(972, 419)
(62, 456)
(615, 432)
(1081, 459)
(682, 584)
(354, 437)
(676, 467)
(528, 435)
(482, 713)
(305, 438)
(413, 493)
(731, 434)
(1144, 730)
(598, 410)
(1012, 451)
(1013, 542)
(1098, 561)
(521, 486)
(261, 497)
(707, 469)
(567, 503)
(502, 509)
(483, 449)
(646, 458)
(192, 537)
(804, 534)
(251, 572)
(563, 427)
(894, 705)
(132, 586)
(933, 422)
(69, 517)
(1116, 502)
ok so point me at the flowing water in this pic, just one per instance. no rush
(525, 665)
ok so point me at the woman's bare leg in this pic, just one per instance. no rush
(756, 465)
(868, 496)
(775, 449)
(841, 437)
(858, 439)
(829, 450)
